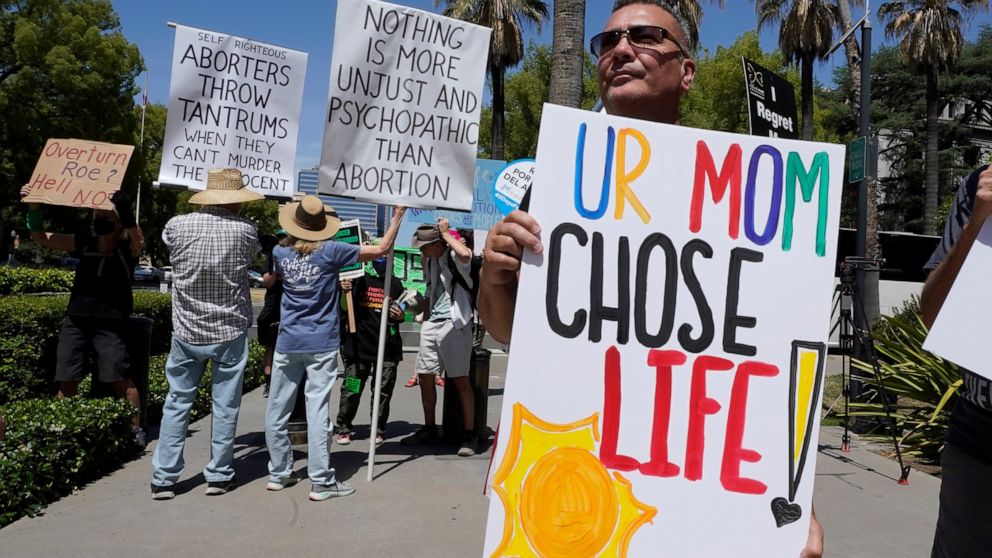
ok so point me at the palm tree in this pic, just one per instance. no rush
(567, 52)
(852, 52)
(806, 34)
(930, 31)
(506, 48)
(693, 14)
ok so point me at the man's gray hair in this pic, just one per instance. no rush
(689, 45)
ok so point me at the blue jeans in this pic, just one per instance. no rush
(289, 370)
(183, 370)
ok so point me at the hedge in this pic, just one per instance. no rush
(54, 446)
(25, 280)
(29, 336)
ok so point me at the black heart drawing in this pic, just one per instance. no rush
(784, 512)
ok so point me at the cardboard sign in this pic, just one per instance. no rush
(350, 233)
(485, 212)
(405, 100)
(233, 103)
(958, 333)
(663, 392)
(512, 185)
(78, 173)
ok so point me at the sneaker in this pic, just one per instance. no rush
(140, 437)
(321, 492)
(469, 446)
(220, 487)
(163, 492)
(343, 439)
(426, 435)
(275, 486)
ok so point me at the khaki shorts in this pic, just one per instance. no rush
(443, 346)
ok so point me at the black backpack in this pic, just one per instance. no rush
(473, 291)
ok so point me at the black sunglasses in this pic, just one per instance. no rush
(644, 36)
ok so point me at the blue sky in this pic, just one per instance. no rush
(308, 26)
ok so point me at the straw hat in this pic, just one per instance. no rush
(309, 219)
(224, 186)
(424, 235)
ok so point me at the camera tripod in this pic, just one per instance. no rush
(846, 296)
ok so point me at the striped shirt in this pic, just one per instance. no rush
(210, 252)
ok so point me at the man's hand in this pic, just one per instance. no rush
(124, 208)
(346, 285)
(814, 544)
(395, 312)
(505, 246)
(442, 225)
(25, 190)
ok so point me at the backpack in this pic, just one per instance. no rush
(473, 291)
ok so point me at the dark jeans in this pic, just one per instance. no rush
(356, 375)
(963, 525)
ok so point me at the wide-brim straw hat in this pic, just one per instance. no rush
(224, 186)
(309, 219)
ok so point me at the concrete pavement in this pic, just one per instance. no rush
(423, 503)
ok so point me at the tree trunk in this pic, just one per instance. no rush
(853, 54)
(807, 91)
(932, 174)
(567, 51)
(499, 105)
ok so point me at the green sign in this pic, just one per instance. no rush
(350, 233)
(856, 152)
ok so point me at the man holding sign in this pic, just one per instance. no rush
(644, 69)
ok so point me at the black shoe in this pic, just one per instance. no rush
(218, 488)
(426, 435)
(163, 492)
(265, 390)
(470, 446)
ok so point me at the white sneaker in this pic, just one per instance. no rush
(277, 486)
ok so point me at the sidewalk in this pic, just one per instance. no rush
(422, 504)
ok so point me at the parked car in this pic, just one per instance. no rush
(145, 274)
(255, 279)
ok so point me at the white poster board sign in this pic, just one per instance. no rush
(663, 389)
(233, 103)
(405, 100)
(958, 333)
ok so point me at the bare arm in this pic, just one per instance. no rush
(270, 279)
(55, 241)
(500, 266)
(814, 542)
(136, 240)
(939, 282)
(368, 253)
(463, 252)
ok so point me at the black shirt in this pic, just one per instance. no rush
(273, 294)
(368, 294)
(101, 287)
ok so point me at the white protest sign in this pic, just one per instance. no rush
(512, 185)
(484, 214)
(663, 392)
(233, 103)
(958, 334)
(403, 114)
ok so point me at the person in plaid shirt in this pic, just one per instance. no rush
(210, 251)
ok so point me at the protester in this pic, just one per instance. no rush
(268, 319)
(446, 334)
(100, 303)
(643, 68)
(360, 350)
(210, 251)
(308, 342)
(966, 462)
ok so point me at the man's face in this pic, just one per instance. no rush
(640, 82)
(432, 250)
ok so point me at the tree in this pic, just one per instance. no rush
(692, 12)
(506, 48)
(931, 41)
(567, 53)
(527, 90)
(852, 52)
(66, 70)
(805, 35)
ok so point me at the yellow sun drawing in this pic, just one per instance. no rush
(559, 500)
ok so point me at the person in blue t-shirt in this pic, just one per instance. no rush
(307, 345)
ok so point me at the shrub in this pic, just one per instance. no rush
(54, 446)
(29, 336)
(922, 386)
(24, 280)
